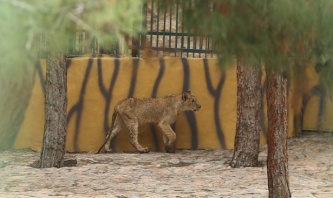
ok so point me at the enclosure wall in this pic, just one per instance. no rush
(96, 84)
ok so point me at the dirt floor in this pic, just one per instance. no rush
(200, 173)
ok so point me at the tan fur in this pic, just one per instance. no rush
(132, 112)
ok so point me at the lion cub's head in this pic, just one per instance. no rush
(189, 102)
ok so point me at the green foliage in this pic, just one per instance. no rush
(22, 23)
(273, 32)
(110, 20)
(283, 35)
(322, 48)
(105, 20)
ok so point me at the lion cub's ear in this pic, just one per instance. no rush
(189, 91)
(185, 96)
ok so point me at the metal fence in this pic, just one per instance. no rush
(165, 36)
(79, 43)
(166, 33)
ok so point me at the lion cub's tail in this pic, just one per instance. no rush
(114, 115)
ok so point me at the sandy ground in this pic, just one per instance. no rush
(201, 173)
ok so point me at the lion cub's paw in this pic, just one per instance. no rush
(109, 151)
(144, 150)
(170, 150)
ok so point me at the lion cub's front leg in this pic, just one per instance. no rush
(169, 138)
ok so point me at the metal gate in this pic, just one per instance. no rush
(165, 35)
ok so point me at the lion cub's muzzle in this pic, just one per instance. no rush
(198, 108)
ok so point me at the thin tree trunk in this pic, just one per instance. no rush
(249, 103)
(277, 160)
(53, 149)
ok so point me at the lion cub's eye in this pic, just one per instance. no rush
(192, 100)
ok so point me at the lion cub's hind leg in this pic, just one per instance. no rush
(131, 121)
(117, 128)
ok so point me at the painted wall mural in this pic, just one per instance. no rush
(96, 84)
(316, 112)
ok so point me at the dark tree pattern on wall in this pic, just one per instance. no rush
(216, 92)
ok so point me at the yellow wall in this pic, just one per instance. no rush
(95, 85)
(317, 105)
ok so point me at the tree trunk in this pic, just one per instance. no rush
(277, 160)
(249, 103)
(54, 140)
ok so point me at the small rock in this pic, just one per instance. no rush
(35, 164)
(70, 162)
(102, 168)
(300, 156)
(174, 161)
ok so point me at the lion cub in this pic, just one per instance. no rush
(132, 112)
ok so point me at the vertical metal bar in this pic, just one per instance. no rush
(98, 46)
(40, 46)
(183, 15)
(177, 12)
(200, 45)
(211, 54)
(206, 47)
(151, 23)
(76, 40)
(43, 48)
(188, 32)
(195, 37)
(170, 30)
(157, 26)
(164, 23)
(209, 46)
(67, 42)
(93, 45)
(143, 25)
(81, 41)
(194, 43)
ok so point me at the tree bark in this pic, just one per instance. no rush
(249, 104)
(277, 160)
(54, 140)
